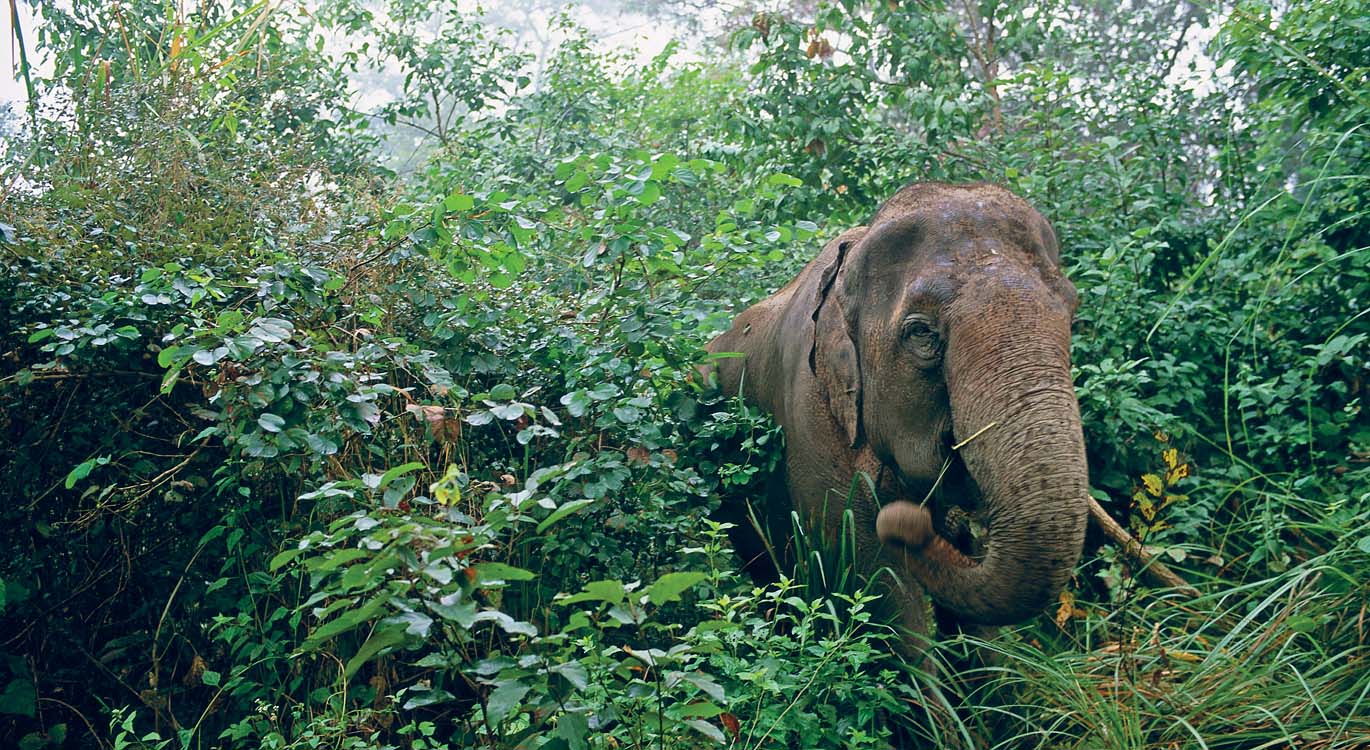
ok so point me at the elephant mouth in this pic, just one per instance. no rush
(951, 485)
(955, 501)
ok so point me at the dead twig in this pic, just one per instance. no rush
(1133, 548)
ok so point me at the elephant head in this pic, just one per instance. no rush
(948, 322)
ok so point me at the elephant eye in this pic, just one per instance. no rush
(919, 327)
(920, 332)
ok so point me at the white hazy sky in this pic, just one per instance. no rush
(11, 88)
(628, 31)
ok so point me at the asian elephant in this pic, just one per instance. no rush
(945, 321)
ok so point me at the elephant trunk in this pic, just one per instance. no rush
(1013, 406)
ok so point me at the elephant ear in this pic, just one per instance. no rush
(832, 357)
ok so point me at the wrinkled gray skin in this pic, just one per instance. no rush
(947, 315)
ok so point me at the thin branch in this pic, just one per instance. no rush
(89, 727)
(1179, 45)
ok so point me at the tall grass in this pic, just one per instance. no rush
(1275, 663)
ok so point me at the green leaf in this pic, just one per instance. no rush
(576, 402)
(397, 472)
(419, 697)
(703, 710)
(573, 728)
(271, 422)
(83, 470)
(514, 262)
(274, 330)
(39, 335)
(168, 356)
(282, 558)
(606, 390)
(504, 700)
(458, 202)
(663, 165)
(344, 623)
(337, 559)
(780, 178)
(574, 672)
(416, 624)
(211, 678)
(671, 586)
(1302, 624)
(505, 622)
(383, 637)
(599, 591)
(19, 697)
(713, 689)
(565, 510)
(320, 445)
(651, 192)
(463, 613)
(502, 392)
(495, 573)
(708, 730)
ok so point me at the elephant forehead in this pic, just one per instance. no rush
(937, 287)
(928, 263)
(936, 274)
(952, 218)
(980, 199)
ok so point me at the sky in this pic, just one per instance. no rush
(625, 31)
(645, 36)
(11, 88)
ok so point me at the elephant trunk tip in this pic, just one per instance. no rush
(905, 523)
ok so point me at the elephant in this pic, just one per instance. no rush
(929, 349)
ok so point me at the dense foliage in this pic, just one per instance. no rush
(303, 453)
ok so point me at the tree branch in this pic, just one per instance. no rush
(1133, 549)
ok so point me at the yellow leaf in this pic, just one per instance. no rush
(1147, 508)
(1067, 608)
(175, 51)
(1161, 436)
(1184, 656)
(1153, 484)
(1171, 457)
(1176, 473)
